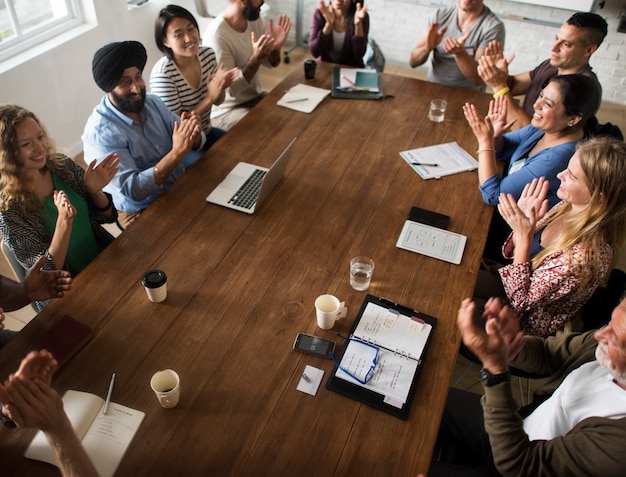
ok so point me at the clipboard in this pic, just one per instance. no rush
(337, 91)
(386, 322)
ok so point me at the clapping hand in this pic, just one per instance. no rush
(99, 175)
(328, 13)
(522, 222)
(64, 206)
(508, 324)
(42, 284)
(481, 126)
(455, 46)
(262, 46)
(497, 116)
(434, 36)
(493, 67)
(359, 15)
(187, 133)
(281, 31)
(534, 197)
(218, 82)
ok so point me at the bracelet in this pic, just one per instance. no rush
(485, 150)
(107, 207)
(159, 173)
(502, 92)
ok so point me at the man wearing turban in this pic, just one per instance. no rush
(155, 146)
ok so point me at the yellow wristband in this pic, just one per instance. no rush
(502, 92)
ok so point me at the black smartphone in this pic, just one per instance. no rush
(314, 345)
(428, 217)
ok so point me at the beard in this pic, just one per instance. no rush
(129, 103)
(603, 358)
(250, 12)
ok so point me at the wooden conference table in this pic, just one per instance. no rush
(240, 287)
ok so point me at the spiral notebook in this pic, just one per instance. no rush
(388, 341)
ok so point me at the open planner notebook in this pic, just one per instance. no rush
(381, 360)
(104, 437)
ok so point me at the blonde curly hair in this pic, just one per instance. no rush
(14, 184)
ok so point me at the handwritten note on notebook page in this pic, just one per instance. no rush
(401, 341)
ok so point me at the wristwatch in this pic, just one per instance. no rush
(488, 379)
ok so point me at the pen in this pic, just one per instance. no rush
(423, 164)
(108, 399)
(350, 82)
(297, 100)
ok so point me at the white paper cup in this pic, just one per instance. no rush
(155, 283)
(329, 309)
(166, 386)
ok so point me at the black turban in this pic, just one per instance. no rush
(111, 60)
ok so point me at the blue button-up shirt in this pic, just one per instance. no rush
(139, 145)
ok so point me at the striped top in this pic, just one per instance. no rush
(168, 83)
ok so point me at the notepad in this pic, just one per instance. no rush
(303, 98)
(104, 437)
(450, 158)
(398, 336)
(432, 242)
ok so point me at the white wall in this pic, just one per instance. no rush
(397, 24)
(59, 88)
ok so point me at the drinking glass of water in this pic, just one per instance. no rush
(437, 111)
(361, 269)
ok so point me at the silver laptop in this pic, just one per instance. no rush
(247, 185)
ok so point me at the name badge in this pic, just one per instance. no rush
(517, 165)
(470, 51)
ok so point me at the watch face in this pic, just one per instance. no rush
(488, 379)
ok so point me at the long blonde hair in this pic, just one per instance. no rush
(603, 221)
(14, 185)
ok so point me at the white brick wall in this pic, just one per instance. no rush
(397, 24)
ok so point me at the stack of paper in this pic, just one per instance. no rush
(440, 160)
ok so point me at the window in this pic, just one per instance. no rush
(26, 23)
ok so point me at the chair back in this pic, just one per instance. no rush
(16, 266)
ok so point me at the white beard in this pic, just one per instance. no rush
(603, 358)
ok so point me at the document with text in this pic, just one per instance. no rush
(433, 162)
(432, 242)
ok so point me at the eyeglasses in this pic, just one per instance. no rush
(370, 371)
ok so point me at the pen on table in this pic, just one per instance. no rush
(423, 164)
(350, 82)
(108, 399)
(297, 100)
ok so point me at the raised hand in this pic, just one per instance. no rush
(481, 126)
(328, 13)
(281, 31)
(64, 206)
(262, 46)
(508, 324)
(493, 67)
(99, 175)
(218, 82)
(497, 116)
(42, 284)
(360, 14)
(522, 223)
(455, 46)
(38, 364)
(487, 342)
(187, 133)
(534, 197)
(434, 36)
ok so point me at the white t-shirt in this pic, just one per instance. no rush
(233, 49)
(588, 391)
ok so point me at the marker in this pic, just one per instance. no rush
(108, 399)
(306, 378)
(297, 100)
(423, 164)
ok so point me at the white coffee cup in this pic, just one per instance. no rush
(166, 386)
(155, 283)
(329, 309)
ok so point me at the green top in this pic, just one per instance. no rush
(83, 247)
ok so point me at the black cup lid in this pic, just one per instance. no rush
(154, 278)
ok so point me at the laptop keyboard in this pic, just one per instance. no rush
(248, 193)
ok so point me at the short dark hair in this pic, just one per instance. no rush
(162, 21)
(595, 25)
